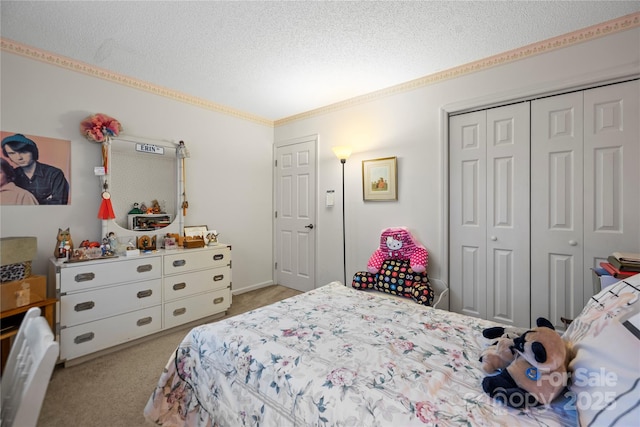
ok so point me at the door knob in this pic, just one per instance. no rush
(494, 238)
(310, 226)
(572, 242)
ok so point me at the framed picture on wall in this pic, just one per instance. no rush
(380, 179)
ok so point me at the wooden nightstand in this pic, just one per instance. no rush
(10, 323)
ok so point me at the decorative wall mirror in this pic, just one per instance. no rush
(144, 178)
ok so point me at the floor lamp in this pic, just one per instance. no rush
(343, 154)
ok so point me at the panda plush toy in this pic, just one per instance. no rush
(501, 352)
(538, 372)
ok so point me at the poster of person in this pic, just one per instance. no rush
(35, 170)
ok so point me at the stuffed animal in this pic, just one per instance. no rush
(396, 243)
(500, 353)
(538, 372)
(398, 267)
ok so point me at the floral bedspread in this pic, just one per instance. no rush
(335, 356)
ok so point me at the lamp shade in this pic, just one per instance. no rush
(342, 152)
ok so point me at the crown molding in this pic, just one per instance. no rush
(596, 31)
(90, 70)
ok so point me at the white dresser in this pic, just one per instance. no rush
(105, 303)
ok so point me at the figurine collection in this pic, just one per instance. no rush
(111, 248)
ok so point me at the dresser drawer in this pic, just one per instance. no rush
(82, 307)
(90, 337)
(195, 307)
(196, 282)
(185, 260)
(85, 276)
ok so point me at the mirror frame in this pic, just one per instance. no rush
(177, 225)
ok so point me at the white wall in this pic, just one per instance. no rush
(411, 126)
(228, 175)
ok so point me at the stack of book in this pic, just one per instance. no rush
(622, 264)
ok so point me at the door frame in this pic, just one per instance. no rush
(527, 93)
(277, 144)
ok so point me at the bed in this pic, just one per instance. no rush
(336, 356)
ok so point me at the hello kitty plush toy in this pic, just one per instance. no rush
(397, 243)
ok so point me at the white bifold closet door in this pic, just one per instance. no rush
(489, 242)
(585, 192)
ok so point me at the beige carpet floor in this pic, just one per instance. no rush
(112, 390)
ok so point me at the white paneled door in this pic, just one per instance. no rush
(612, 172)
(468, 213)
(539, 193)
(295, 215)
(489, 247)
(585, 191)
(557, 190)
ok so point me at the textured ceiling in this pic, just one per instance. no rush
(277, 59)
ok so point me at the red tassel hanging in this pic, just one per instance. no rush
(106, 208)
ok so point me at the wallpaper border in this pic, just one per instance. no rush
(599, 30)
(596, 31)
(90, 70)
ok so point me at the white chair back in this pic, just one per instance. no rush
(27, 372)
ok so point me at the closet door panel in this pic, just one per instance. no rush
(508, 216)
(471, 284)
(607, 171)
(557, 214)
(504, 290)
(467, 181)
(612, 172)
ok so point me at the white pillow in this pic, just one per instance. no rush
(605, 368)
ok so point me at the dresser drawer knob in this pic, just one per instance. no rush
(218, 277)
(145, 293)
(88, 305)
(85, 277)
(218, 257)
(144, 321)
(144, 268)
(179, 311)
(84, 338)
(179, 286)
(218, 300)
(179, 263)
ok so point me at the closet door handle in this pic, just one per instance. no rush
(572, 243)
(494, 238)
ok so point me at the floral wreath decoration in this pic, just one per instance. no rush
(100, 128)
